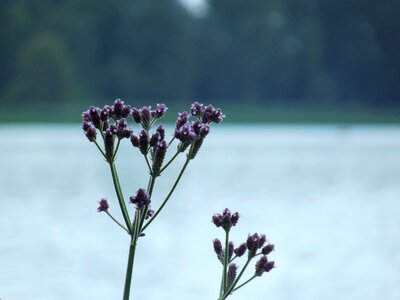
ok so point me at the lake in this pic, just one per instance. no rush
(328, 197)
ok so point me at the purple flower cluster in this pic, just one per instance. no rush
(103, 205)
(225, 220)
(146, 116)
(111, 123)
(207, 114)
(141, 199)
(194, 133)
(263, 265)
(255, 245)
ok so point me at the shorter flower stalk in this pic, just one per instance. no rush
(254, 246)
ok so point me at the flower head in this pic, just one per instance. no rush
(120, 110)
(103, 205)
(225, 220)
(241, 250)
(263, 265)
(141, 198)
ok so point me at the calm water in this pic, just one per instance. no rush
(327, 197)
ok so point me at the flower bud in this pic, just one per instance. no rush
(161, 130)
(268, 249)
(196, 109)
(141, 199)
(95, 116)
(145, 116)
(159, 157)
(261, 265)
(155, 137)
(159, 111)
(103, 205)
(136, 115)
(241, 250)
(135, 140)
(143, 142)
(120, 110)
(231, 247)
(218, 248)
(105, 113)
(149, 213)
(91, 132)
(232, 270)
(182, 119)
(109, 144)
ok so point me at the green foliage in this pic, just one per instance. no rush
(322, 53)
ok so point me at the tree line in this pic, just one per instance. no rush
(288, 52)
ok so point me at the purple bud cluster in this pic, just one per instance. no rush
(141, 199)
(110, 121)
(253, 244)
(146, 116)
(103, 205)
(263, 265)
(194, 133)
(207, 114)
(225, 220)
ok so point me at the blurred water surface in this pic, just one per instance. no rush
(326, 196)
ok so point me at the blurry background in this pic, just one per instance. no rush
(327, 195)
(277, 60)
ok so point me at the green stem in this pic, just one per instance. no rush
(116, 149)
(98, 147)
(118, 223)
(120, 197)
(129, 268)
(244, 283)
(168, 196)
(147, 162)
(225, 267)
(170, 161)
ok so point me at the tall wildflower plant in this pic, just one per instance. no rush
(107, 127)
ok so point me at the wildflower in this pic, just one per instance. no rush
(225, 220)
(94, 114)
(105, 113)
(121, 129)
(135, 140)
(159, 111)
(263, 265)
(268, 249)
(149, 213)
(218, 248)
(255, 242)
(155, 137)
(197, 109)
(103, 205)
(90, 131)
(141, 199)
(143, 141)
(232, 270)
(161, 130)
(182, 120)
(241, 250)
(119, 110)
(185, 134)
(109, 144)
(231, 248)
(159, 156)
